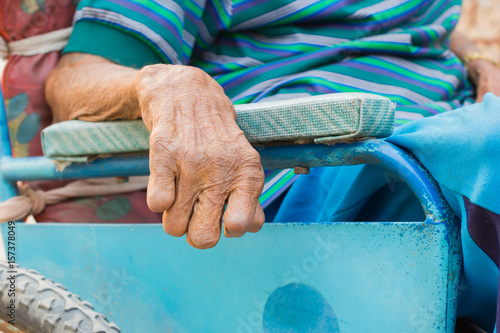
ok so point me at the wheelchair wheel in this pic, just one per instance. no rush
(42, 306)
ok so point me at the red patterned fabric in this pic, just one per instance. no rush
(26, 18)
(23, 84)
(23, 79)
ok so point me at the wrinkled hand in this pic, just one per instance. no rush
(486, 77)
(199, 158)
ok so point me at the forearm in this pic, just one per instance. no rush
(461, 45)
(91, 88)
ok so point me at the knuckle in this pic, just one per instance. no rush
(217, 87)
(160, 143)
(149, 78)
(259, 179)
(253, 155)
(148, 72)
(163, 151)
(251, 178)
(250, 159)
(194, 75)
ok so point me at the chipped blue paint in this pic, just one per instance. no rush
(376, 277)
(297, 308)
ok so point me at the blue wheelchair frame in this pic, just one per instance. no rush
(342, 276)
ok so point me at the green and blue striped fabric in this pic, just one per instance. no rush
(265, 50)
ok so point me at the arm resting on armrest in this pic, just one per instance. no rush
(199, 158)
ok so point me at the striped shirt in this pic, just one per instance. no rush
(261, 50)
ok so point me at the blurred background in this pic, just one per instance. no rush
(479, 20)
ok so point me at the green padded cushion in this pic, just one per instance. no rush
(325, 119)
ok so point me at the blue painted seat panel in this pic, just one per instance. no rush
(342, 277)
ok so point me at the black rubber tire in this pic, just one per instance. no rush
(43, 306)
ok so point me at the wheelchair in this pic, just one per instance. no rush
(400, 276)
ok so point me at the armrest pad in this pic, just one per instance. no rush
(323, 119)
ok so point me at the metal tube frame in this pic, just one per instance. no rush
(375, 152)
(7, 187)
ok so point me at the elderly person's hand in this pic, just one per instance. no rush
(200, 161)
(485, 75)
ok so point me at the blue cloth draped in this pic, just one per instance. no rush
(461, 149)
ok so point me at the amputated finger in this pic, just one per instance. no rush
(161, 185)
(205, 224)
(161, 190)
(240, 212)
(176, 218)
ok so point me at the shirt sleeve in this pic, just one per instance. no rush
(136, 33)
